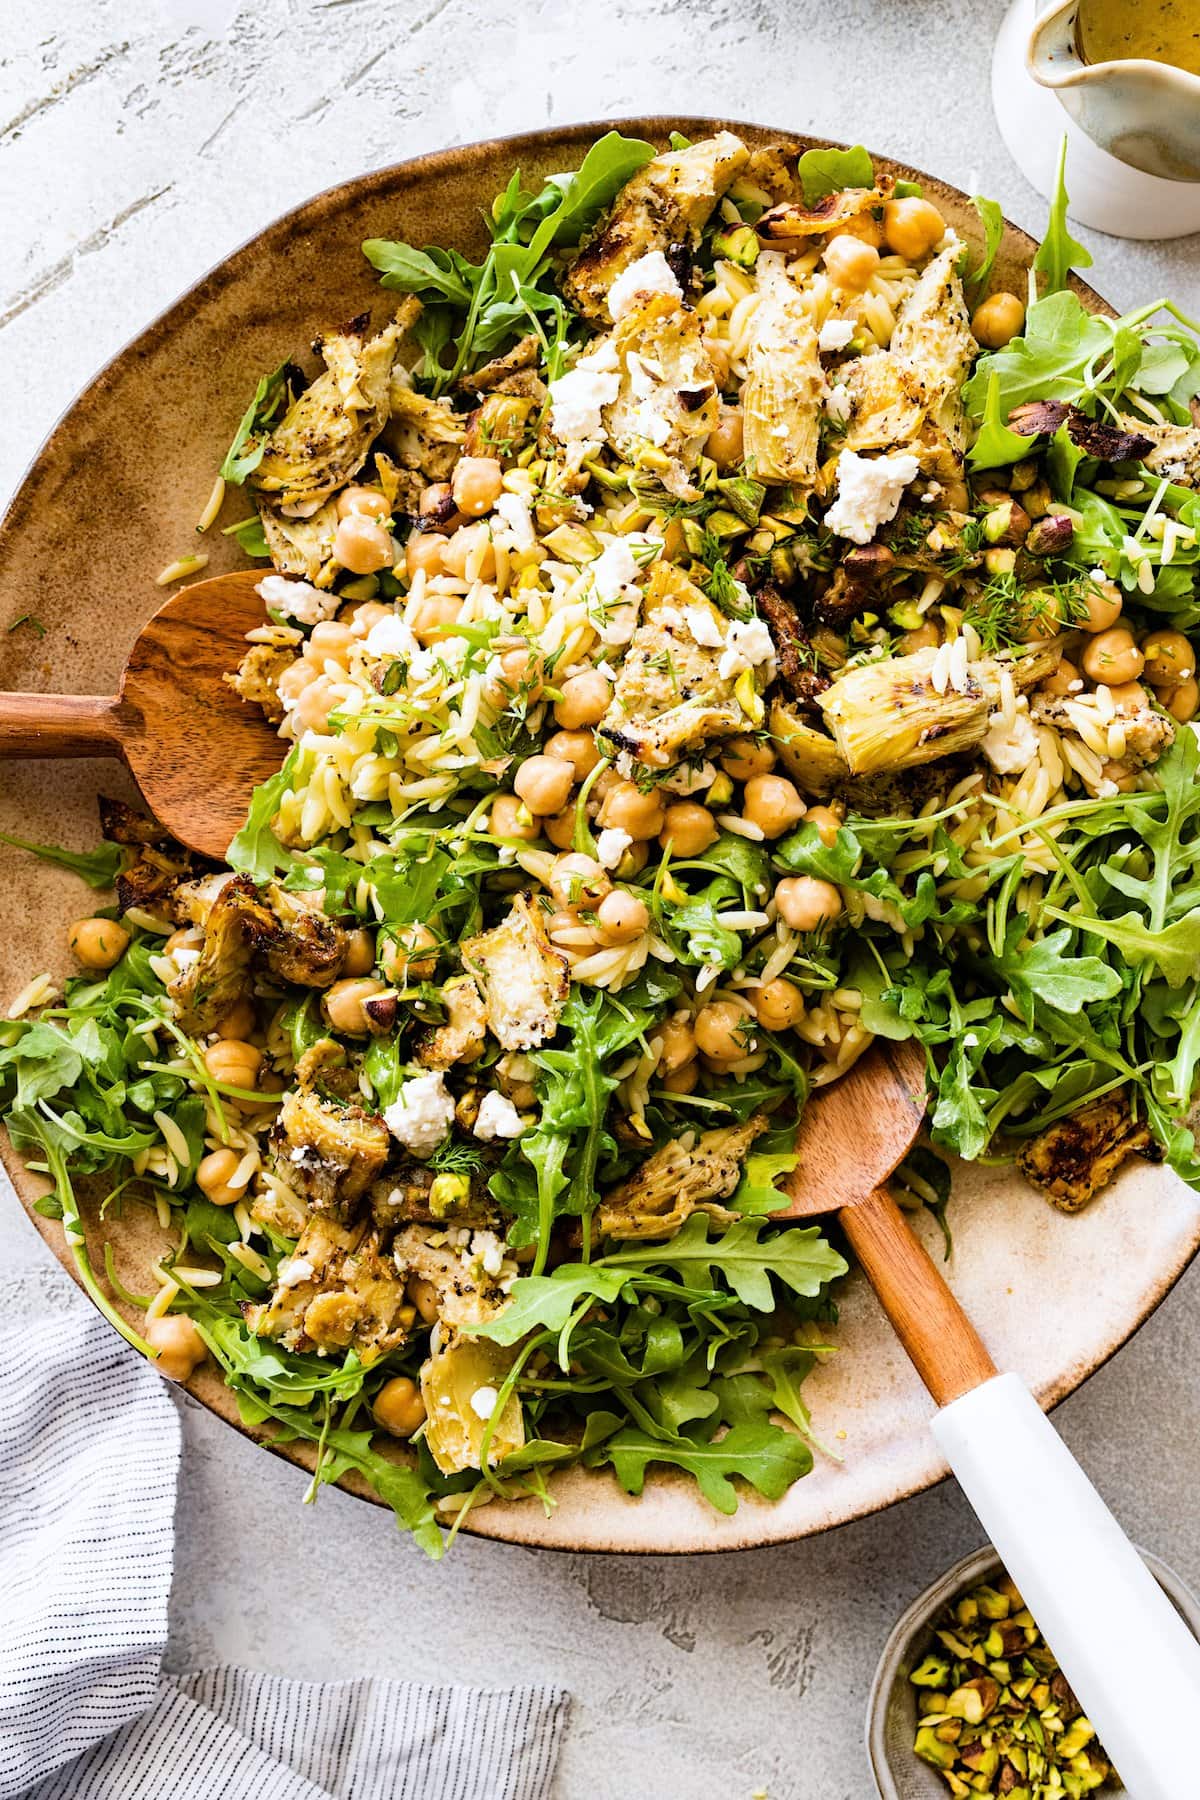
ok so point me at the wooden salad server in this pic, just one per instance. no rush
(194, 748)
(1127, 1653)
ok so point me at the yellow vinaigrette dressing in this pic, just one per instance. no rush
(1165, 31)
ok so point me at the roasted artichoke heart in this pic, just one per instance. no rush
(463, 1036)
(889, 715)
(424, 435)
(670, 696)
(1074, 1158)
(459, 1383)
(668, 202)
(668, 390)
(339, 1290)
(302, 547)
(327, 1152)
(523, 979)
(326, 434)
(784, 392)
(677, 1179)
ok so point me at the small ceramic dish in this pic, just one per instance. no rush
(892, 1706)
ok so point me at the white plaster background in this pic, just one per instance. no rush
(140, 140)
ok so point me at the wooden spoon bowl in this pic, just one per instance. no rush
(196, 750)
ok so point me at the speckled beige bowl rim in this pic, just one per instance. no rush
(757, 1523)
(916, 1619)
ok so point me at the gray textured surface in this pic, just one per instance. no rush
(139, 141)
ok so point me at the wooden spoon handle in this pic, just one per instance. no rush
(946, 1350)
(59, 725)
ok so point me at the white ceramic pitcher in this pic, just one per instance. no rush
(1146, 114)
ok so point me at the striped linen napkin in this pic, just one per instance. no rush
(87, 1500)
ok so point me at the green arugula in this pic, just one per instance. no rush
(99, 867)
(271, 397)
(825, 172)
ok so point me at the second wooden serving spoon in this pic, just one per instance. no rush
(1126, 1652)
(196, 750)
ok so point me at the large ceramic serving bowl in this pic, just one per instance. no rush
(114, 496)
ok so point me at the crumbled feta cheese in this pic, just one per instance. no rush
(292, 1271)
(835, 334)
(747, 644)
(611, 846)
(391, 637)
(297, 600)
(514, 510)
(650, 274)
(838, 404)
(704, 626)
(688, 780)
(488, 1251)
(422, 1114)
(648, 424)
(613, 571)
(498, 1117)
(1010, 749)
(578, 398)
(483, 1402)
(870, 489)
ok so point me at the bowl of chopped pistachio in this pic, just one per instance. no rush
(968, 1698)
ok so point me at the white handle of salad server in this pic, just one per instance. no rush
(1133, 1663)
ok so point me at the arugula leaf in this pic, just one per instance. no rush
(433, 274)
(1174, 949)
(256, 851)
(756, 1192)
(608, 165)
(1059, 252)
(766, 1456)
(824, 172)
(995, 445)
(99, 867)
(992, 218)
(1047, 973)
(1061, 338)
(250, 439)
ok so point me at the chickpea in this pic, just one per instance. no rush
(718, 356)
(850, 263)
(1170, 659)
(997, 320)
(682, 1080)
(1121, 775)
(360, 952)
(212, 1177)
(745, 757)
(398, 1406)
(476, 484)
(577, 748)
(234, 1062)
(409, 954)
(363, 545)
(178, 1347)
(865, 227)
(724, 1032)
(434, 496)
(1113, 657)
(688, 828)
(912, 227)
(364, 617)
(239, 1021)
(579, 881)
(773, 804)
(622, 917)
(344, 1004)
(779, 1005)
(311, 711)
(1061, 681)
(626, 808)
(560, 829)
(1183, 699)
(510, 819)
(678, 1045)
(366, 500)
(434, 613)
(424, 1297)
(189, 937)
(521, 669)
(805, 903)
(1129, 697)
(294, 680)
(1103, 601)
(584, 700)
(543, 783)
(827, 822)
(424, 551)
(925, 636)
(97, 943)
(470, 542)
(725, 443)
